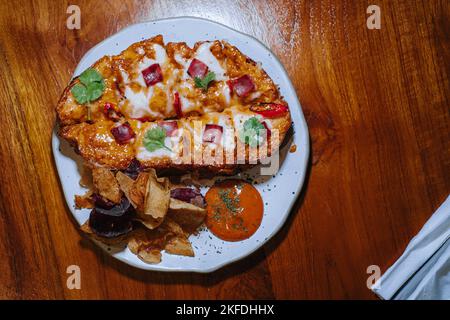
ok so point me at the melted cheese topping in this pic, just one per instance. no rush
(143, 101)
(231, 121)
(188, 92)
(225, 121)
(138, 103)
(185, 66)
(226, 93)
(218, 105)
(173, 143)
(239, 117)
(205, 55)
(156, 101)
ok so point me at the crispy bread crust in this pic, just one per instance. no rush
(93, 139)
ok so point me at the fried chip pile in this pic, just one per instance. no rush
(161, 223)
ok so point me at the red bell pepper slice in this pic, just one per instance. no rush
(177, 104)
(270, 110)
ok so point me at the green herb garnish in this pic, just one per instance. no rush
(154, 139)
(204, 83)
(90, 75)
(80, 93)
(90, 88)
(252, 132)
(232, 204)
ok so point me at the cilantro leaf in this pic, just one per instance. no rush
(204, 83)
(252, 132)
(95, 90)
(80, 93)
(90, 75)
(253, 123)
(154, 139)
(90, 88)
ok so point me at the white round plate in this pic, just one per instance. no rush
(279, 192)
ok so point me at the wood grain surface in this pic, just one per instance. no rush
(377, 106)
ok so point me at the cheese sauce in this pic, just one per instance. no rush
(234, 210)
(205, 55)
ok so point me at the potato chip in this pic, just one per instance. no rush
(179, 246)
(150, 255)
(169, 236)
(166, 222)
(157, 198)
(106, 184)
(187, 215)
(149, 194)
(156, 202)
(138, 191)
(148, 249)
(85, 201)
(126, 184)
(171, 226)
(178, 243)
(86, 177)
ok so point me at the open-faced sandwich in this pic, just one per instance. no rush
(156, 106)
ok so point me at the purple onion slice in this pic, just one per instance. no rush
(189, 195)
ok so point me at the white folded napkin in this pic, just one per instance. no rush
(423, 271)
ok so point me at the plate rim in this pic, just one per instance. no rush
(305, 144)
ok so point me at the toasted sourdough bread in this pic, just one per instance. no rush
(175, 101)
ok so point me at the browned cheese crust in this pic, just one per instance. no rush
(88, 127)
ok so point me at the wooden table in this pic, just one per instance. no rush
(377, 106)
